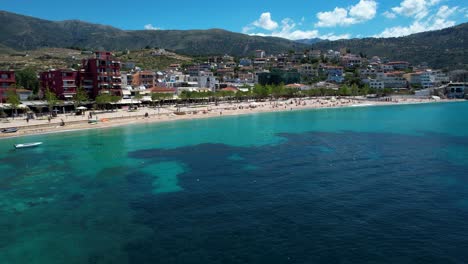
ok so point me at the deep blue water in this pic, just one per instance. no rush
(360, 185)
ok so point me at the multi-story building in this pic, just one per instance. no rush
(456, 90)
(399, 65)
(144, 78)
(334, 73)
(369, 72)
(307, 71)
(375, 84)
(351, 60)
(7, 80)
(315, 54)
(101, 74)
(63, 83)
(245, 62)
(259, 54)
(427, 78)
(440, 78)
(394, 80)
(226, 74)
(205, 80)
(386, 67)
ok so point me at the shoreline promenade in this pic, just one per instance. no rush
(119, 117)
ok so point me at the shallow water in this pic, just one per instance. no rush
(373, 184)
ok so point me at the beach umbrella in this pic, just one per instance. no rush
(81, 108)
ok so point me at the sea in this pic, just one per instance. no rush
(385, 184)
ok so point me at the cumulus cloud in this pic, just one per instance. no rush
(288, 29)
(435, 22)
(151, 27)
(265, 22)
(418, 9)
(363, 11)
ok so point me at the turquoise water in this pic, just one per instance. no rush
(372, 184)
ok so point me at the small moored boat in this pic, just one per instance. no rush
(28, 145)
(10, 130)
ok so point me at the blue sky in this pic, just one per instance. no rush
(293, 19)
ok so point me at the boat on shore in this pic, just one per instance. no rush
(28, 145)
(10, 130)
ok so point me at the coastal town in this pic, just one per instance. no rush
(213, 85)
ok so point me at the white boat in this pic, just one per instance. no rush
(28, 145)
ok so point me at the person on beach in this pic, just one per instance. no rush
(27, 119)
(146, 115)
(48, 118)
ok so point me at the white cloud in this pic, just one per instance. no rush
(265, 22)
(434, 22)
(337, 17)
(389, 15)
(288, 29)
(445, 12)
(151, 27)
(363, 11)
(418, 9)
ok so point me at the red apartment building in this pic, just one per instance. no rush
(7, 79)
(101, 74)
(61, 82)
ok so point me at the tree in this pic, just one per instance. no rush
(51, 99)
(113, 99)
(387, 91)
(27, 79)
(102, 100)
(344, 91)
(354, 90)
(138, 96)
(13, 99)
(159, 97)
(80, 97)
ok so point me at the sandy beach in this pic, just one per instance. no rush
(106, 119)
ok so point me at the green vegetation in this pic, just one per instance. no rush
(27, 78)
(262, 92)
(51, 99)
(104, 99)
(145, 60)
(82, 35)
(13, 99)
(444, 48)
(80, 97)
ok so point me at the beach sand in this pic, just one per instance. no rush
(170, 113)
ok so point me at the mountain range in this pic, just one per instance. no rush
(445, 48)
(24, 33)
